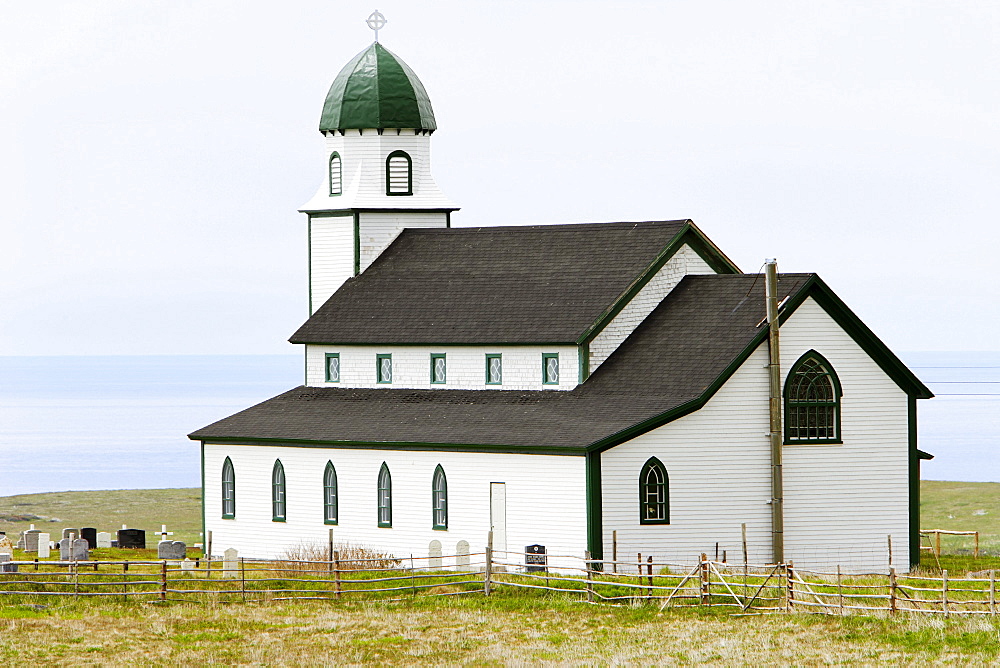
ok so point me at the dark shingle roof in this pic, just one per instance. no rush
(684, 346)
(513, 284)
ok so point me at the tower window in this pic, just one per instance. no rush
(550, 368)
(336, 179)
(494, 369)
(812, 401)
(383, 368)
(398, 174)
(333, 367)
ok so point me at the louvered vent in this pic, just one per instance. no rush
(399, 174)
(335, 176)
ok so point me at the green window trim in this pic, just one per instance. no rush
(330, 377)
(336, 175)
(384, 501)
(390, 189)
(383, 368)
(498, 366)
(547, 370)
(654, 493)
(278, 499)
(439, 499)
(812, 375)
(330, 500)
(439, 373)
(228, 490)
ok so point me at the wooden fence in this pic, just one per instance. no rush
(747, 589)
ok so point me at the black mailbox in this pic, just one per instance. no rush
(535, 559)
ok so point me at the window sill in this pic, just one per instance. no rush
(439, 528)
(330, 522)
(654, 521)
(277, 519)
(384, 526)
(826, 441)
(229, 517)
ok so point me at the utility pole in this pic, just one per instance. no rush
(774, 410)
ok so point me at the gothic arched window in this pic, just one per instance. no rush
(278, 492)
(228, 490)
(330, 494)
(654, 493)
(384, 497)
(439, 497)
(398, 174)
(812, 401)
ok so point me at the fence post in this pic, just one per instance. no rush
(993, 592)
(649, 574)
(944, 591)
(413, 576)
(488, 573)
(243, 580)
(840, 591)
(746, 563)
(336, 573)
(704, 579)
(208, 556)
(590, 583)
(330, 550)
(937, 544)
(892, 591)
(889, 538)
(163, 580)
(125, 581)
(789, 579)
(975, 552)
(614, 551)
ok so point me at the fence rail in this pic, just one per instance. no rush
(745, 588)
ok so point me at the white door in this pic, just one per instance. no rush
(498, 516)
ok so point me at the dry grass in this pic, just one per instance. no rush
(306, 557)
(483, 632)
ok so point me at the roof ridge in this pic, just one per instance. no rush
(541, 226)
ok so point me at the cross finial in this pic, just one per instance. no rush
(376, 21)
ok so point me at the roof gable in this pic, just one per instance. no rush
(501, 285)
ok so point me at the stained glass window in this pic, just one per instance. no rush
(812, 401)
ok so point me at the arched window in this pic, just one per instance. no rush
(812, 401)
(439, 494)
(336, 179)
(278, 492)
(228, 490)
(654, 493)
(398, 174)
(384, 497)
(330, 494)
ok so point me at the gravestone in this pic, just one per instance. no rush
(462, 550)
(6, 546)
(187, 566)
(80, 550)
(171, 549)
(535, 559)
(132, 539)
(103, 539)
(20, 542)
(434, 552)
(67, 532)
(31, 540)
(89, 534)
(6, 567)
(44, 545)
(230, 563)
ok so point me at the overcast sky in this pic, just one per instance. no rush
(154, 153)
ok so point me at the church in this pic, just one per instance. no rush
(604, 388)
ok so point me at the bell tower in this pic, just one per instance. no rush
(377, 123)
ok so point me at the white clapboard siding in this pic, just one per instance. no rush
(331, 256)
(537, 510)
(684, 261)
(466, 366)
(378, 229)
(841, 501)
(363, 168)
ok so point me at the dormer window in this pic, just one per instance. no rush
(336, 178)
(398, 174)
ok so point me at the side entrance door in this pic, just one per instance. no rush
(498, 516)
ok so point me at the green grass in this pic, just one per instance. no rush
(179, 509)
(962, 506)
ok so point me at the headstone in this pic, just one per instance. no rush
(6, 567)
(462, 550)
(103, 539)
(6, 546)
(114, 543)
(20, 542)
(66, 549)
(73, 549)
(81, 550)
(31, 540)
(171, 549)
(535, 559)
(67, 532)
(434, 552)
(132, 539)
(89, 534)
(230, 563)
(44, 545)
(187, 566)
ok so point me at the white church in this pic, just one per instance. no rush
(554, 384)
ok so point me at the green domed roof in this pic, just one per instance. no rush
(377, 90)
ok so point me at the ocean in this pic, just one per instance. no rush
(120, 422)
